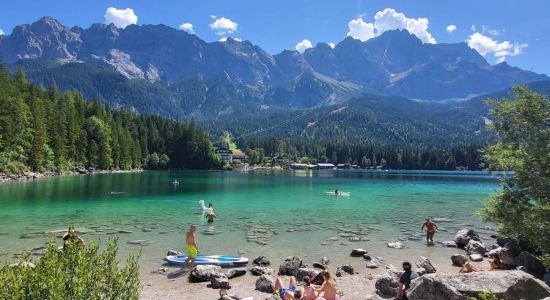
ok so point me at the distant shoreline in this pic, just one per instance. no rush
(31, 176)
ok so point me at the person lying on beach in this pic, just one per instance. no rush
(495, 263)
(327, 290)
(285, 293)
(468, 267)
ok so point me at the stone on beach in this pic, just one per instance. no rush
(532, 264)
(202, 273)
(303, 272)
(504, 284)
(261, 261)
(257, 270)
(219, 281)
(463, 236)
(475, 247)
(395, 245)
(358, 252)
(476, 257)
(458, 259)
(290, 266)
(386, 284)
(236, 272)
(344, 269)
(265, 284)
(451, 244)
(423, 262)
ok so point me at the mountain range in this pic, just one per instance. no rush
(384, 85)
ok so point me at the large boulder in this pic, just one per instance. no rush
(423, 262)
(452, 286)
(203, 273)
(303, 272)
(463, 236)
(458, 259)
(509, 252)
(236, 272)
(257, 270)
(261, 261)
(265, 284)
(290, 266)
(219, 281)
(386, 284)
(475, 247)
(532, 264)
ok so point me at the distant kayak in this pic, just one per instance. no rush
(219, 260)
(340, 194)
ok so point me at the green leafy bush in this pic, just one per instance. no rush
(76, 272)
(487, 296)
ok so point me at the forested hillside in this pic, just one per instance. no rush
(45, 130)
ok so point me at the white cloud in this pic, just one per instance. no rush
(238, 39)
(332, 45)
(223, 26)
(2, 32)
(188, 27)
(473, 28)
(451, 28)
(489, 30)
(120, 17)
(303, 45)
(361, 30)
(486, 45)
(390, 19)
(223, 39)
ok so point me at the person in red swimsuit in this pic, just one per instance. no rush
(430, 230)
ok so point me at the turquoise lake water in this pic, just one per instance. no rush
(259, 213)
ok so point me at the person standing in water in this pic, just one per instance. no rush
(336, 191)
(430, 230)
(211, 216)
(192, 249)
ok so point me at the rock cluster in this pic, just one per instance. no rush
(290, 266)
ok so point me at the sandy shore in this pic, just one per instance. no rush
(359, 286)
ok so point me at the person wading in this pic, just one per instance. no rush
(430, 230)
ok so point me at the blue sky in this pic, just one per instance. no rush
(517, 32)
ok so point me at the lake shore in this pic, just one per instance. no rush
(4, 178)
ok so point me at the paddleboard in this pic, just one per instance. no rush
(340, 194)
(219, 260)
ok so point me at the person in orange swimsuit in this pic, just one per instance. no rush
(430, 230)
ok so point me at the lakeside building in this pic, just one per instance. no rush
(240, 156)
(325, 166)
(225, 154)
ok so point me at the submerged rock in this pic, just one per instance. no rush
(395, 245)
(504, 284)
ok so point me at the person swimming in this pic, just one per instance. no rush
(336, 191)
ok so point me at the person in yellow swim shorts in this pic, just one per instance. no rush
(192, 249)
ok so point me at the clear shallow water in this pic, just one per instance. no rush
(259, 213)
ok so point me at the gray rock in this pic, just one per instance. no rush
(261, 261)
(219, 281)
(502, 241)
(450, 244)
(203, 273)
(458, 259)
(358, 252)
(319, 265)
(423, 262)
(475, 247)
(509, 252)
(265, 284)
(373, 264)
(367, 257)
(303, 272)
(274, 297)
(344, 269)
(476, 257)
(236, 272)
(386, 284)
(257, 270)
(290, 266)
(504, 284)
(421, 271)
(463, 236)
(532, 263)
(395, 245)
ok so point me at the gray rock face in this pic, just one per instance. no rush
(458, 259)
(423, 262)
(451, 244)
(303, 272)
(509, 252)
(219, 281)
(464, 236)
(261, 261)
(203, 273)
(475, 247)
(236, 272)
(505, 284)
(386, 284)
(265, 284)
(290, 266)
(532, 264)
(257, 270)
(358, 252)
(476, 257)
(344, 269)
